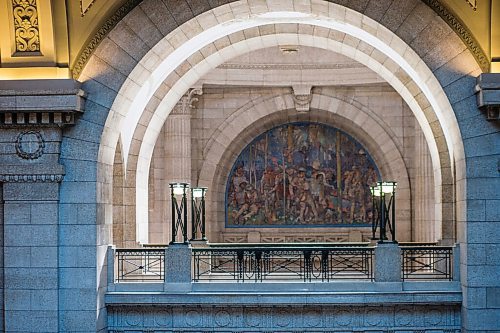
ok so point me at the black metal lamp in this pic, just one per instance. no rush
(384, 209)
(198, 213)
(179, 211)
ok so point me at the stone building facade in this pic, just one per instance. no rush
(103, 104)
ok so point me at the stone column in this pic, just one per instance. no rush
(178, 148)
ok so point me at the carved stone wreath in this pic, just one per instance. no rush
(29, 145)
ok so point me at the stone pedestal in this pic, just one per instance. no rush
(178, 268)
(387, 262)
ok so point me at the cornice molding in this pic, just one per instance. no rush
(110, 23)
(456, 24)
(461, 30)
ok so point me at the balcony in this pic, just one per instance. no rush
(217, 287)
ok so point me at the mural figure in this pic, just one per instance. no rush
(301, 174)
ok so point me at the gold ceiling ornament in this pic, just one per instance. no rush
(85, 6)
(26, 26)
(472, 4)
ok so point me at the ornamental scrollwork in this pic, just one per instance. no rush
(26, 26)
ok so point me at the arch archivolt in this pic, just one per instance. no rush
(181, 58)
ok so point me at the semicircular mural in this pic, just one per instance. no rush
(301, 174)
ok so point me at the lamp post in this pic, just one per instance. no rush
(384, 210)
(179, 211)
(198, 213)
(375, 191)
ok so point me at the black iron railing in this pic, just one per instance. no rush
(256, 264)
(427, 262)
(140, 265)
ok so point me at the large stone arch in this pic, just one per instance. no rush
(264, 113)
(88, 149)
(188, 72)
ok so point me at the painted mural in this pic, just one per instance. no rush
(301, 174)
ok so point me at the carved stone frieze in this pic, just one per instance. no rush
(291, 66)
(31, 178)
(26, 27)
(296, 318)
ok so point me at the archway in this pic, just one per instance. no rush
(417, 88)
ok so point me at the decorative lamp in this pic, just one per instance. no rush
(179, 211)
(198, 213)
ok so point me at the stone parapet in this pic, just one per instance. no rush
(291, 307)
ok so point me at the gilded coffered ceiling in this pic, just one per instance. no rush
(55, 38)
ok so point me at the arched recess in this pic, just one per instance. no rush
(438, 112)
(188, 73)
(262, 114)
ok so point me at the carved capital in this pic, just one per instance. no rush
(187, 102)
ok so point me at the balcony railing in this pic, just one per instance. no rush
(140, 265)
(283, 263)
(259, 264)
(427, 263)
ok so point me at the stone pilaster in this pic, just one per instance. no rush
(32, 117)
(178, 144)
(178, 138)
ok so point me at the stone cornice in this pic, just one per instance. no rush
(40, 102)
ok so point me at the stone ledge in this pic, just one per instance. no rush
(368, 293)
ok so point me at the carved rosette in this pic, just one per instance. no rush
(26, 28)
(29, 145)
